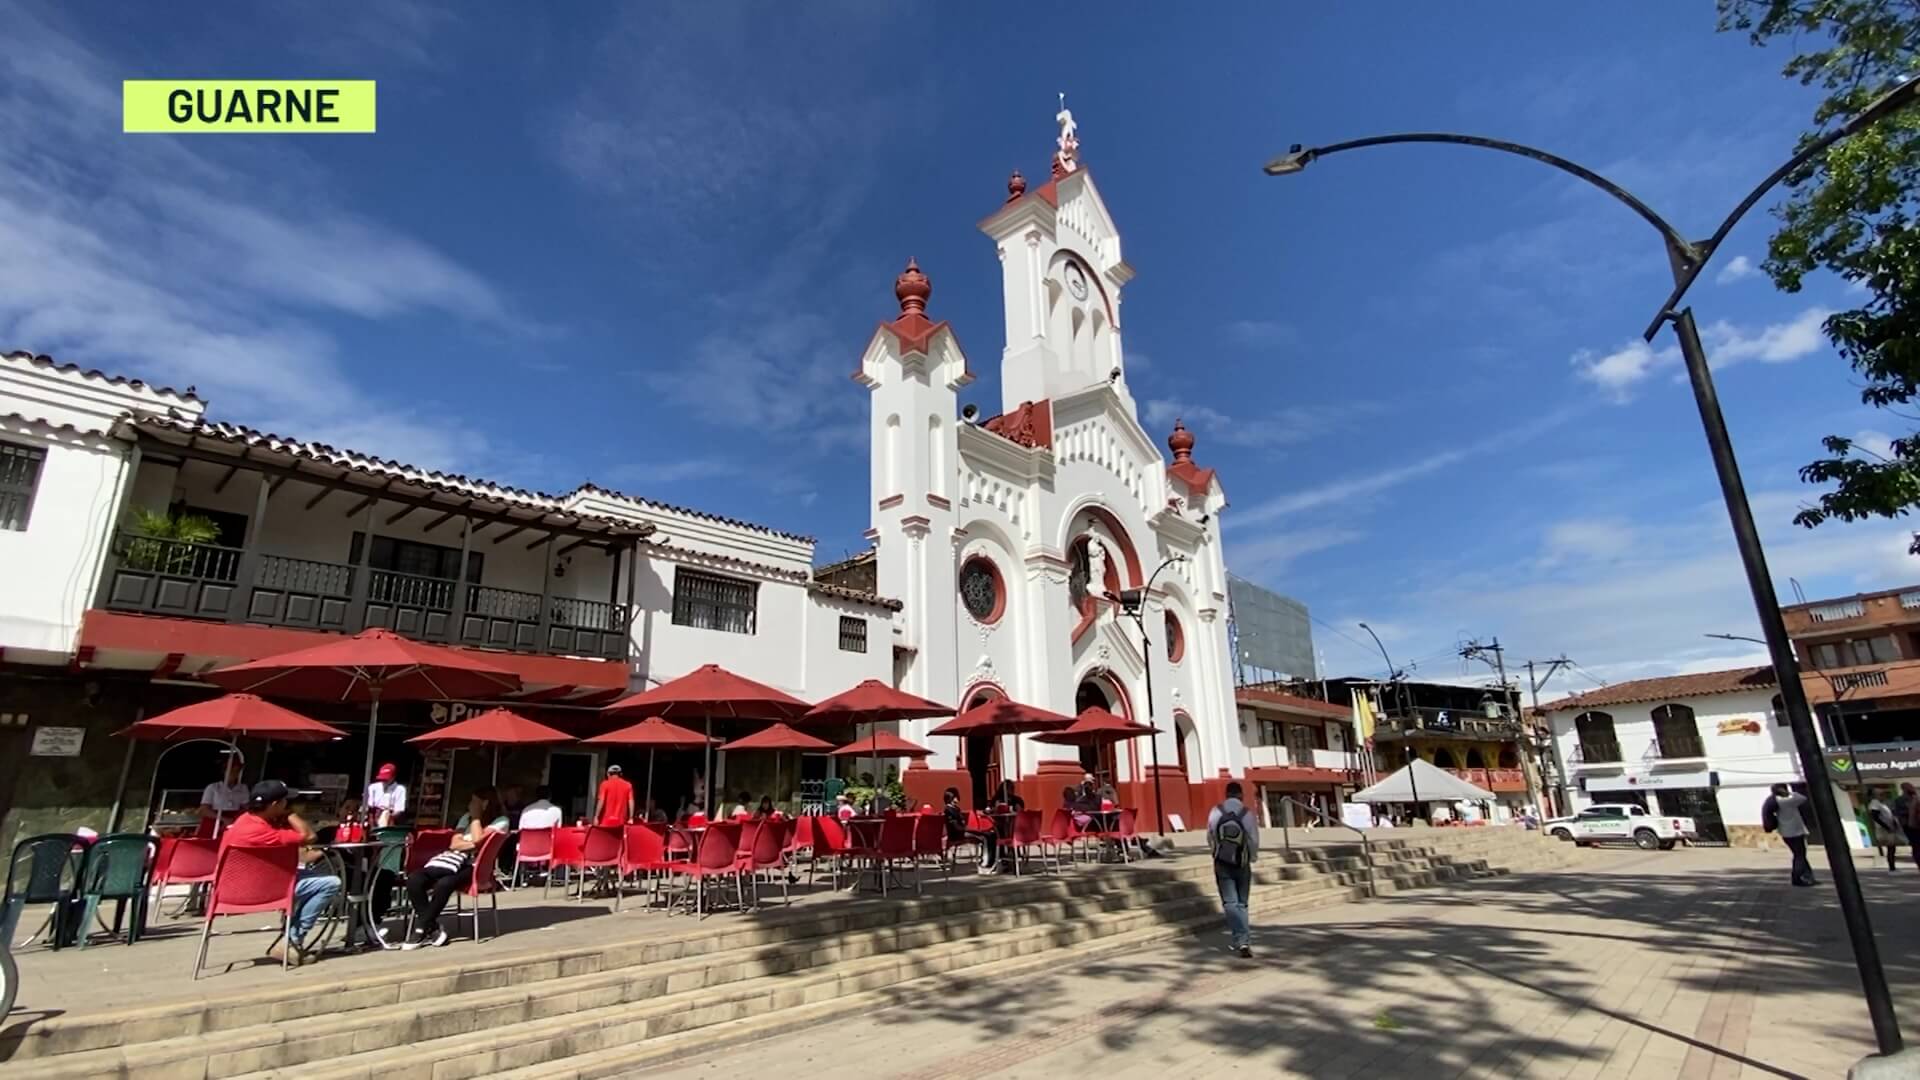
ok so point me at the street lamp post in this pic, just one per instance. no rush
(1400, 692)
(1687, 259)
(1133, 603)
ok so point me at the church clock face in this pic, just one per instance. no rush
(1076, 281)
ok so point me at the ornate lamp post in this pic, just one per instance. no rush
(1133, 604)
(1687, 258)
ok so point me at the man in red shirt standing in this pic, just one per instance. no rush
(269, 821)
(615, 805)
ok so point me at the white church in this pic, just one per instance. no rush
(1000, 550)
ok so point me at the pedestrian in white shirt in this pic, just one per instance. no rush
(386, 798)
(223, 800)
(541, 813)
(1783, 813)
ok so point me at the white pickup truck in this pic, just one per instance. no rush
(1621, 824)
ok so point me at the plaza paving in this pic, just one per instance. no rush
(1699, 963)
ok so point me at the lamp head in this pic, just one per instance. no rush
(1130, 599)
(1294, 160)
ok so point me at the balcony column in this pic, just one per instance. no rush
(460, 586)
(545, 640)
(241, 609)
(362, 575)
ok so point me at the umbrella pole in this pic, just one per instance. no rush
(496, 765)
(373, 729)
(647, 807)
(266, 750)
(707, 802)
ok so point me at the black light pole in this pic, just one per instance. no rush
(1687, 259)
(1133, 602)
(1394, 673)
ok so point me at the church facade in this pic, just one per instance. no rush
(1010, 540)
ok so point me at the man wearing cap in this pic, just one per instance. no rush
(615, 804)
(269, 821)
(386, 799)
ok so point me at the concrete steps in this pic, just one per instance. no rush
(649, 997)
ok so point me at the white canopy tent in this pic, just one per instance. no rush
(1421, 782)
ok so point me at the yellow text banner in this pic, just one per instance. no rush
(249, 106)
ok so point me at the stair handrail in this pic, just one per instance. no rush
(1366, 845)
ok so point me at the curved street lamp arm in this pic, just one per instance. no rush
(1678, 246)
(1900, 97)
(1393, 673)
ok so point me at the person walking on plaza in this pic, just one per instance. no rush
(615, 803)
(1906, 813)
(1885, 828)
(269, 821)
(1781, 813)
(1234, 837)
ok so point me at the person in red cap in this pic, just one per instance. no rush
(386, 797)
(615, 805)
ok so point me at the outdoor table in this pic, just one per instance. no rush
(863, 836)
(1103, 821)
(358, 864)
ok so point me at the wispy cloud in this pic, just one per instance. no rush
(1270, 553)
(1738, 268)
(1262, 334)
(114, 260)
(642, 477)
(1352, 489)
(1619, 372)
(1281, 427)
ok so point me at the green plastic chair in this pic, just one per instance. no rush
(118, 867)
(43, 869)
(835, 786)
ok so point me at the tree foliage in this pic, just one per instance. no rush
(1853, 211)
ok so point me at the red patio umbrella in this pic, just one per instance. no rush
(367, 667)
(1096, 727)
(709, 691)
(655, 734)
(495, 728)
(230, 716)
(1002, 716)
(884, 744)
(778, 737)
(873, 702)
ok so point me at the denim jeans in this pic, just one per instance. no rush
(1802, 869)
(314, 890)
(1236, 891)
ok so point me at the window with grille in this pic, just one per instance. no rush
(711, 602)
(853, 634)
(19, 476)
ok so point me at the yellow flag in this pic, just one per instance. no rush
(1363, 718)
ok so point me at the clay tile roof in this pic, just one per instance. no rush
(848, 563)
(96, 375)
(1029, 425)
(720, 519)
(1666, 687)
(1253, 695)
(858, 596)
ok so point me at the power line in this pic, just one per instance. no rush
(1595, 679)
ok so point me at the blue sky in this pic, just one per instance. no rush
(642, 245)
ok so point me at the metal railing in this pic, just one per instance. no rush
(305, 576)
(177, 558)
(1366, 845)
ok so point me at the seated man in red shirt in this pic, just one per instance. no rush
(268, 821)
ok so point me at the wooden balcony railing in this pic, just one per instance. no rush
(207, 581)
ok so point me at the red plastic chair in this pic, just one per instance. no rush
(424, 845)
(569, 844)
(769, 855)
(799, 837)
(601, 850)
(483, 882)
(536, 847)
(645, 852)
(930, 841)
(248, 879)
(829, 842)
(718, 856)
(1026, 836)
(1061, 835)
(1127, 834)
(895, 845)
(183, 860)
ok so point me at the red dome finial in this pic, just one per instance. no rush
(913, 288)
(1016, 185)
(1180, 442)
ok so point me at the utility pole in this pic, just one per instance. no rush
(1473, 650)
(1559, 766)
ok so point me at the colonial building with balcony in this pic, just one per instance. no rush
(1707, 746)
(1860, 662)
(142, 542)
(1299, 747)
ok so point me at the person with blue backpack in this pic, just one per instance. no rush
(1233, 836)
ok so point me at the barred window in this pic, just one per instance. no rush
(712, 602)
(853, 634)
(19, 476)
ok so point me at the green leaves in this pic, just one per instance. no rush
(1855, 212)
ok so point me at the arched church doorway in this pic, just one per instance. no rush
(982, 753)
(1098, 760)
(1187, 742)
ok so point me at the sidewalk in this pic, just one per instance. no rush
(1695, 963)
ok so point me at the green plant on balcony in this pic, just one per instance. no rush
(166, 542)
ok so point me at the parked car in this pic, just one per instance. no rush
(1621, 824)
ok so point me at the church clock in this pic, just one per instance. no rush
(1076, 281)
